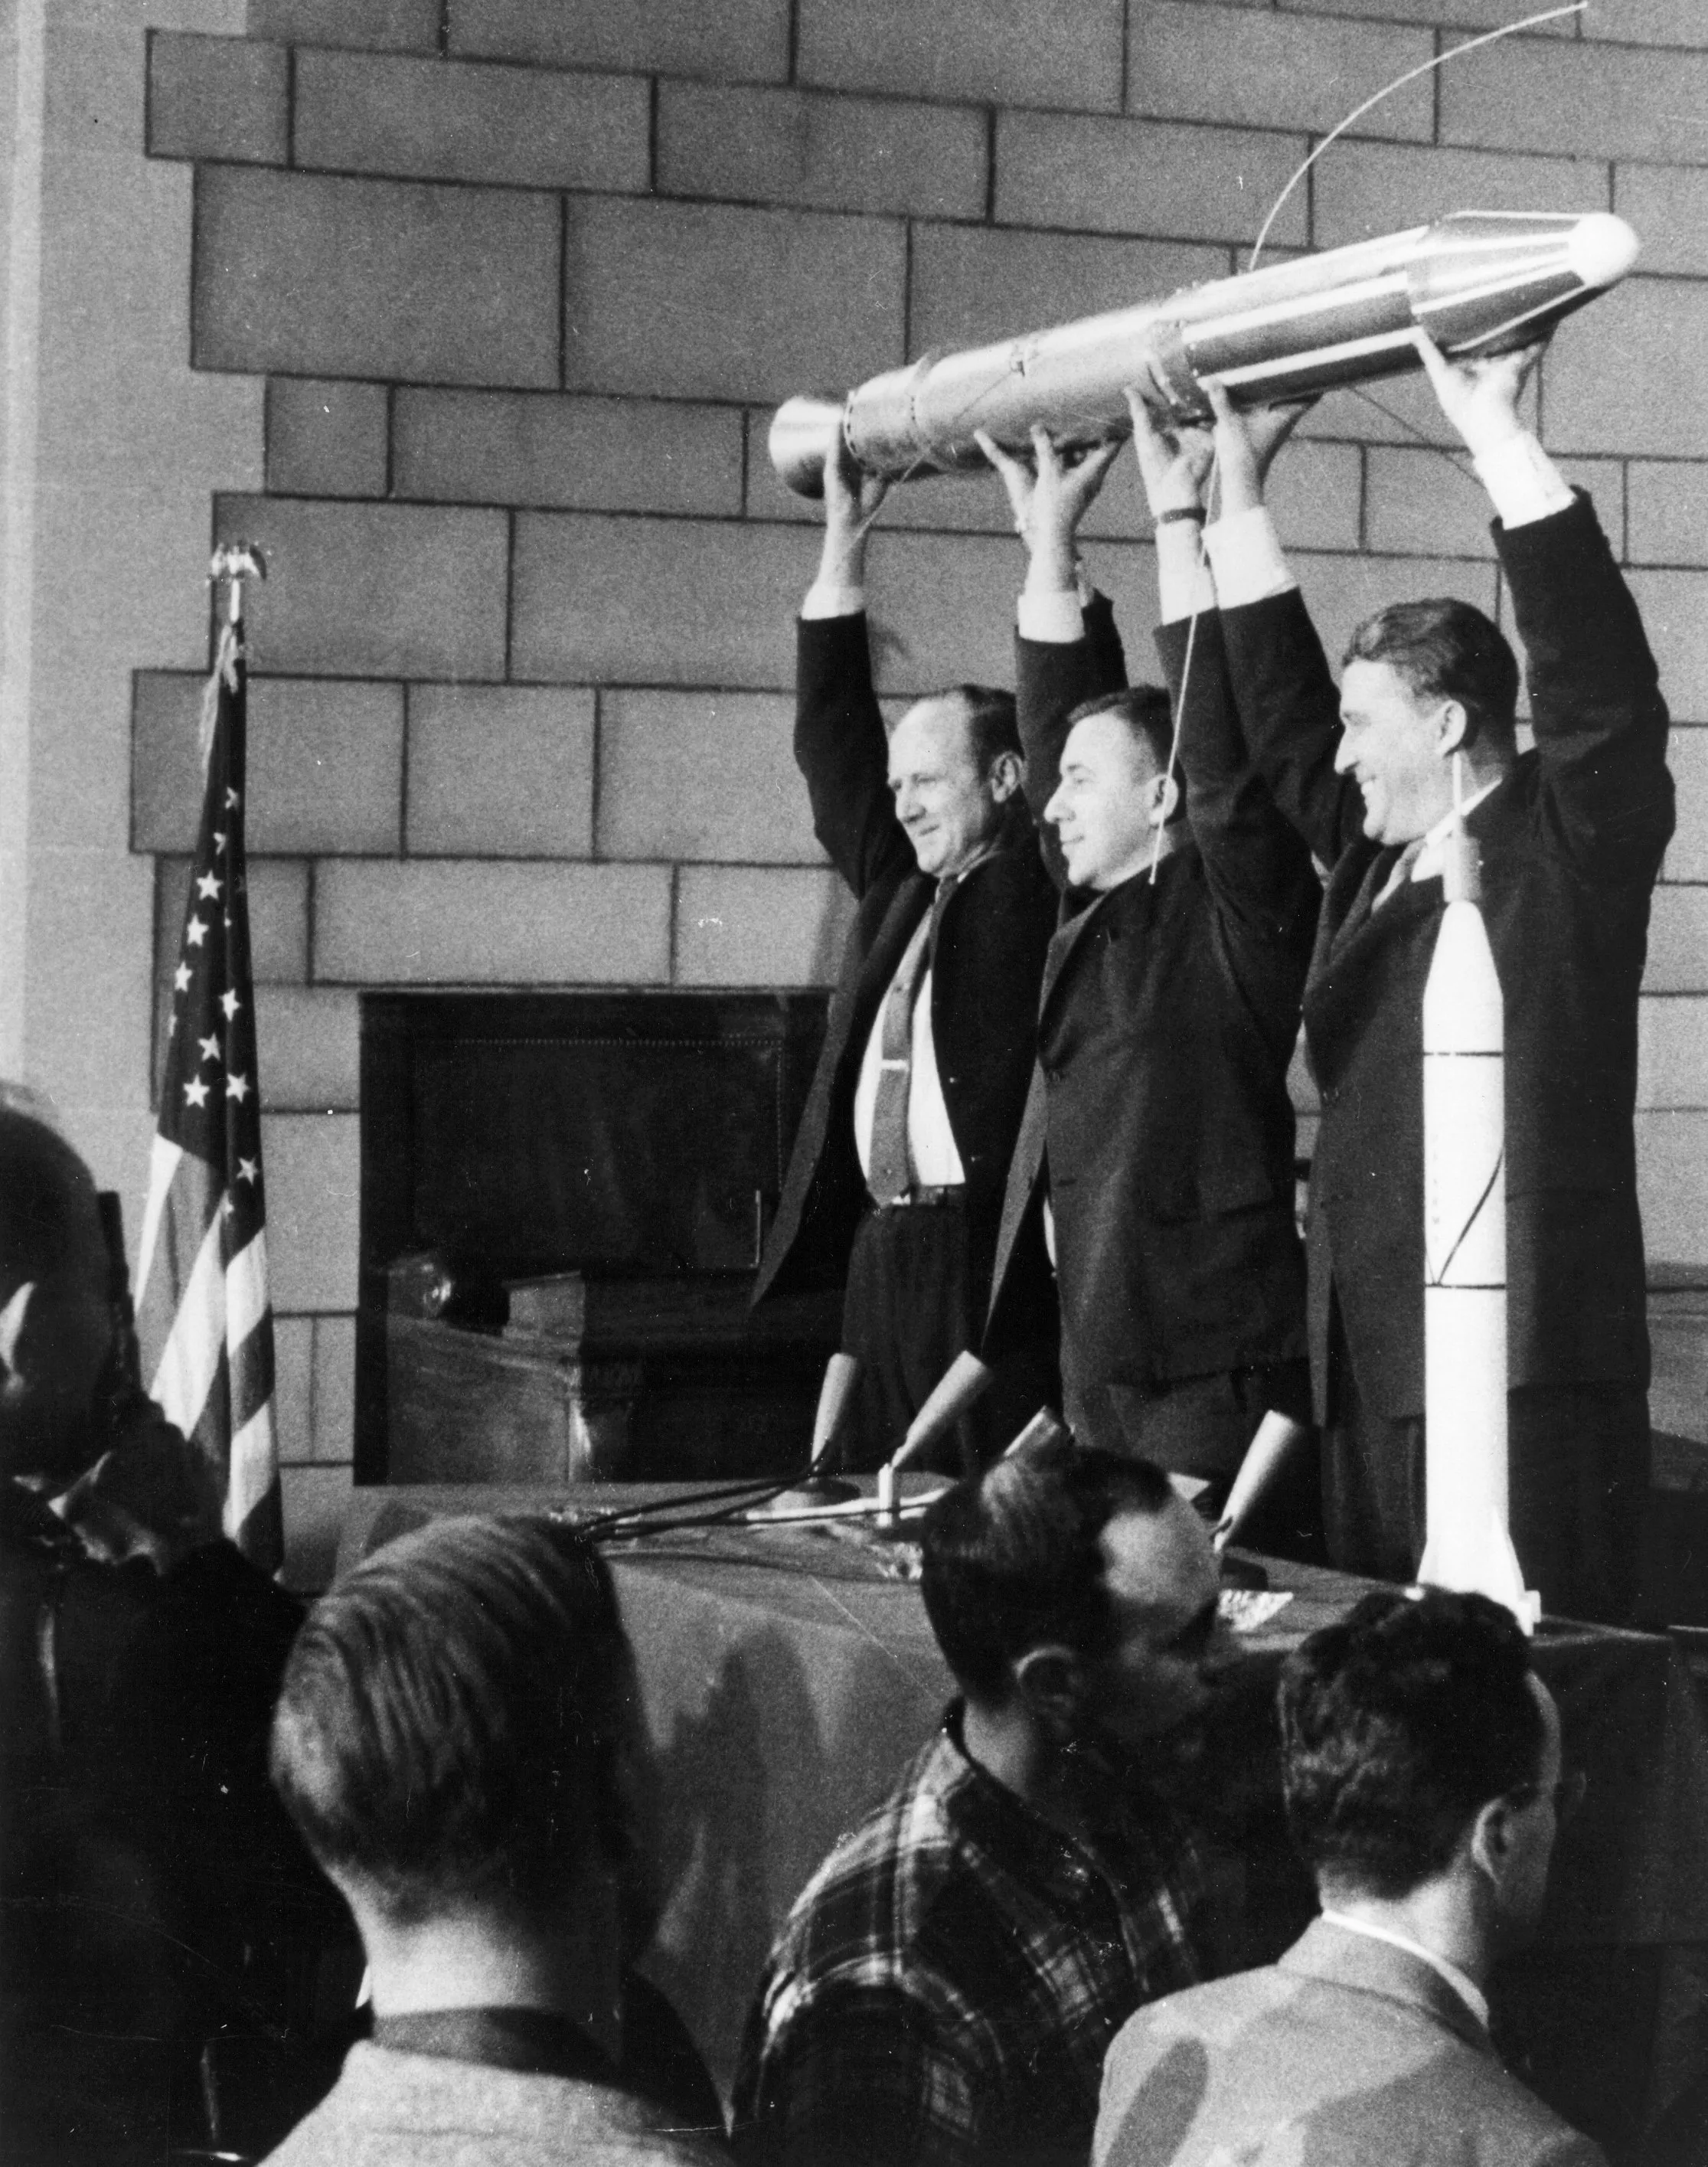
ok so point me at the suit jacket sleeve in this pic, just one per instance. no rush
(1605, 802)
(1051, 679)
(1258, 867)
(842, 750)
(1289, 716)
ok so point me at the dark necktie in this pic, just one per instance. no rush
(891, 1174)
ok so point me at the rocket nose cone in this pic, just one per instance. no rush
(803, 435)
(1601, 249)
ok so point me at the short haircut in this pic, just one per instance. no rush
(1013, 1558)
(1398, 1726)
(1149, 716)
(451, 1723)
(1445, 649)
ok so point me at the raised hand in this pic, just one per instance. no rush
(1049, 496)
(851, 500)
(1246, 444)
(1479, 394)
(1175, 455)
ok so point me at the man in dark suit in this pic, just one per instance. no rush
(1420, 1756)
(1159, 1135)
(897, 1171)
(1571, 837)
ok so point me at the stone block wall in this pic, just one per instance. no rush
(523, 279)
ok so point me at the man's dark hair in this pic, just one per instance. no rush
(1398, 1725)
(1445, 649)
(1150, 718)
(453, 1717)
(1012, 1559)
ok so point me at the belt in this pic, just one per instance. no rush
(923, 1197)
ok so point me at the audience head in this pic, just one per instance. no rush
(1074, 1587)
(55, 1319)
(1115, 789)
(1421, 681)
(458, 1733)
(1419, 1746)
(954, 763)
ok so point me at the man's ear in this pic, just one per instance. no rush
(1005, 775)
(1491, 1839)
(1049, 1682)
(12, 1329)
(1165, 799)
(1451, 728)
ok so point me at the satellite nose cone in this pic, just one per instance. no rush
(1602, 249)
(803, 435)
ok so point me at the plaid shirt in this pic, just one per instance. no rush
(950, 1980)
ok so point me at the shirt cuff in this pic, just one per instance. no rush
(823, 600)
(1053, 620)
(1523, 482)
(1184, 586)
(1245, 557)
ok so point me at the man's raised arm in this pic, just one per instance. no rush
(1067, 650)
(1289, 706)
(1259, 869)
(839, 741)
(1600, 720)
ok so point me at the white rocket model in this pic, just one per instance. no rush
(1469, 1544)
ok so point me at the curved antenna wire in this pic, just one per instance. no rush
(1191, 633)
(1441, 59)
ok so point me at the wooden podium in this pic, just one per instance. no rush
(603, 1380)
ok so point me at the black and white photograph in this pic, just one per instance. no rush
(853, 1083)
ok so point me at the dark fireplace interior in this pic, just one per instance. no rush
(563, 1201)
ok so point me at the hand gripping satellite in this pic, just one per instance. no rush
(1480, 282)
(1468, 1543)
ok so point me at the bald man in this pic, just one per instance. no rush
(896, 1180)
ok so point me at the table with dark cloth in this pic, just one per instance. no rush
(787, 1681)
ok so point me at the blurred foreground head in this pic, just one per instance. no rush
(1075, 1588)
(1418, 1746)
(459, 1731)
(55, 1322)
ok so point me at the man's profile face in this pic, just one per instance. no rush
(1104, 803)
(950, 809)
(1390, 745)
(1170, 1644)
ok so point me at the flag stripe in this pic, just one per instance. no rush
(189, 1362)
(250, 1364)
(162, 1165)
(253, 1469)
(188, 1206)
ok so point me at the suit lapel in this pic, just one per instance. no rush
(1064, 945)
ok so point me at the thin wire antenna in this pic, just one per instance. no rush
(1411, 75)
(1453, 458)
(1191, 633)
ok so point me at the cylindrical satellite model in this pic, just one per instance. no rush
(1469, 1543)
(1478, 282)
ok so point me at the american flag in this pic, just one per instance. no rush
(203, 1317)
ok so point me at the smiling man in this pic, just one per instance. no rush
(895, 1181)
(948, 1983)
(1158, 1150)
(1571, 837)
